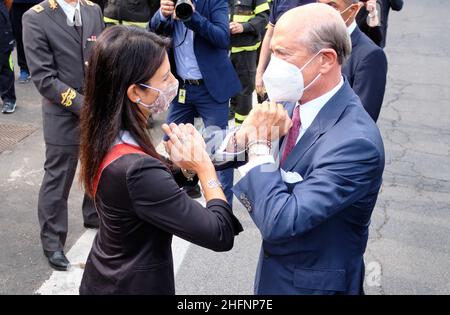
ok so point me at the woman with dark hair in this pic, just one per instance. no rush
(139, 203)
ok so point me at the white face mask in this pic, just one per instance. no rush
(284, 81)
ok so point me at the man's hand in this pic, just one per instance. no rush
(167, 8)
(371, 5)
(186, 147)
(266, 121)
(373, 18)
(259, 84)
(236, 28)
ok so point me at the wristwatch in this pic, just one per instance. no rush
(188, 174)
(213, 183)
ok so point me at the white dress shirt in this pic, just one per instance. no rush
(125, 137)
(308, 113)
(71, 11)
(351, 28)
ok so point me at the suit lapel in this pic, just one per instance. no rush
(303, 145)
(325, 119)
(86, 20)
(356, 35)
(58, 16)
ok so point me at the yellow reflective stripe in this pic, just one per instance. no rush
(262, 7)
(245, 48)
(138, 24)
(11, 64)
(108, 20)
(117, 22)
(240, 117)
(242, 18)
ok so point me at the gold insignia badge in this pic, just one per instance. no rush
(53, 5)
(67, 97)
(89, 3)
(37, 8)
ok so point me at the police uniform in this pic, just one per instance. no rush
(57, 52)
(254, 16)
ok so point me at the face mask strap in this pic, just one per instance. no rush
(151, 88)
(318, 76)
(310, 60)
(345, 10)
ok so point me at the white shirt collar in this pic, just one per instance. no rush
(125, 137)
(311, 109)
(70, 10)
(351, 28)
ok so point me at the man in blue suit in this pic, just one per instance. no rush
(200, 61)
(313, 211)
(366, 69)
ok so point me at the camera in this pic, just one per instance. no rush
(183, 9)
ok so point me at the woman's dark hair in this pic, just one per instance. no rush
(122, 56)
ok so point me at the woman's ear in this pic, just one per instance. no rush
(132, 93)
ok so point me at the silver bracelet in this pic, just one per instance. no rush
(258, 148)
(213, 183)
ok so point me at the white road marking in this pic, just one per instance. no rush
(68, 282)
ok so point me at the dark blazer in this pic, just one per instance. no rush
(315, 228)
(210, 23)
(366, 71)
(374, 33)
(7, 41)
(140, 207)
(386, 5)
(57, 56)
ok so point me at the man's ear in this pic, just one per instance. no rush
(132, 93)
(328, 60)
(356, 7)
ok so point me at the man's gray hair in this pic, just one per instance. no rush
(329, 34)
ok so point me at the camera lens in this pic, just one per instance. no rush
(183, 9)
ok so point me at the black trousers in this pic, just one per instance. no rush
(60, 166)
(17, 11)
(7, 89)
(245, 65)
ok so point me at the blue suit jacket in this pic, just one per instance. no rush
(210, 23)
(315, 231)
(366, 71)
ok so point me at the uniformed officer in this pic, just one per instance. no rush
(58, 36)
(248, 21)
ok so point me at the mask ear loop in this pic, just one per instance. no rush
(318, 76)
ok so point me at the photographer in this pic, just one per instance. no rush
(199, 59)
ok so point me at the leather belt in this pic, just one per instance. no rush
(193, 82)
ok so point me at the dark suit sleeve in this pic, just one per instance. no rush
(160, 26)
(157, 199)
(341, 178)
(42, 66)
(216, 31)
(258, 24)
(369, 81)
(396, 5)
